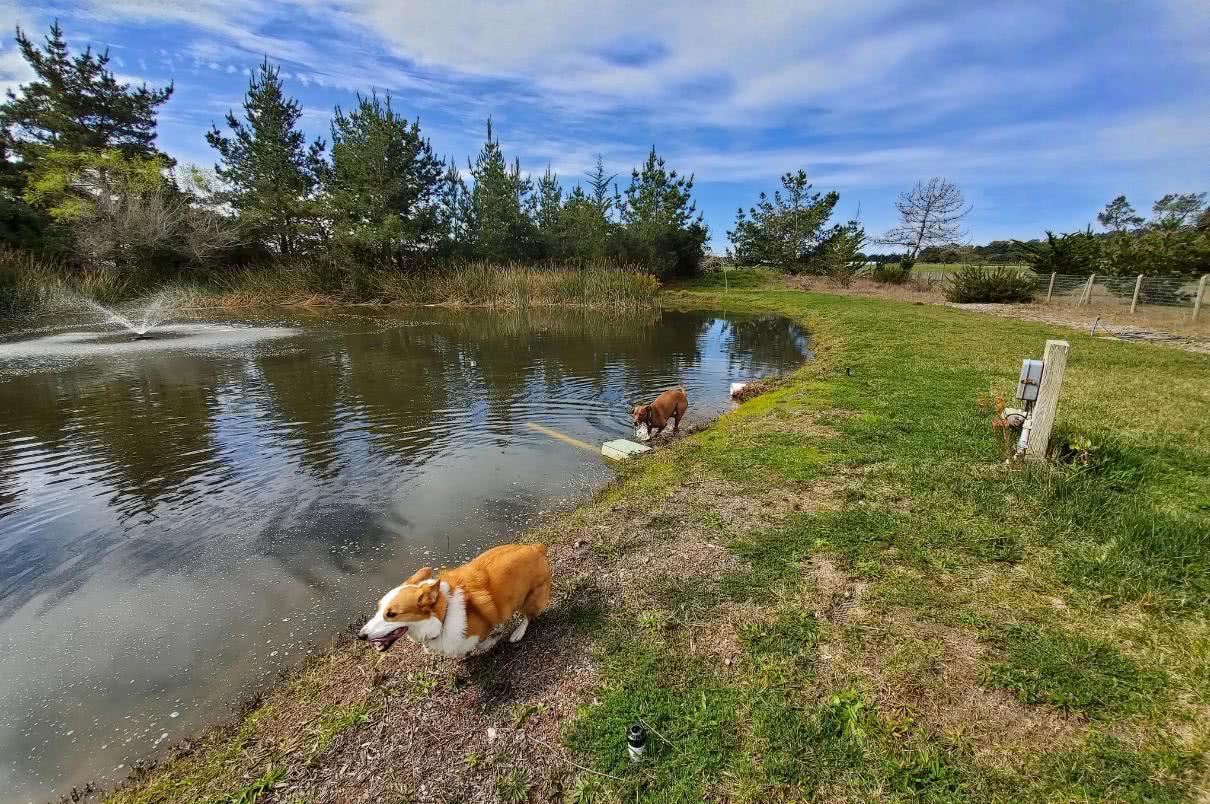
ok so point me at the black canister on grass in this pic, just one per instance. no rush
(636, 742)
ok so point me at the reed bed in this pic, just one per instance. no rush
(29, 284)
(488, 285)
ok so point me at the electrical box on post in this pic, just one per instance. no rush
(1031, 379)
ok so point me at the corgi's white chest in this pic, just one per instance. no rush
(449, 638)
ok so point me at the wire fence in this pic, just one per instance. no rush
(1148, 298)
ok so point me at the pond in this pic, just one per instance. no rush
(182, 517)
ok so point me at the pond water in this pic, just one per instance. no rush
(180, 518)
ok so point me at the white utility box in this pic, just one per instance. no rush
(1031, 379)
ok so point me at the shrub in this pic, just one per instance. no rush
(839, 257)
(994, 284)
(1077, 253)
(893, 273)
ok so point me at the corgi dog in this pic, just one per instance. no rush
(455, 613)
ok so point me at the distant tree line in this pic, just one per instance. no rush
(1173, 241)
(81, 176)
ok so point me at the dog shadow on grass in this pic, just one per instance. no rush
(553, 646)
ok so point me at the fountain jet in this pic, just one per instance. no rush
(155, 312)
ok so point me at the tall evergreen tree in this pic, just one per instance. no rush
(662, 229)
(583, 228)
(600, 184)
(270, 173)
(383, 183)
(76, 103)
(21, 225)
(786, 231)
(501, 227)
(548, 208)
(455, 213)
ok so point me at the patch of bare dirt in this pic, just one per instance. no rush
(836, 597)
(1002, 729)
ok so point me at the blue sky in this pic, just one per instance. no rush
(1042, 111)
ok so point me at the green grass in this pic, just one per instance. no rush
(513, 786)
(676, 695)
(334, 720)
(1104, 769)
(253, 791)
(1109, 562)
(1072, 672)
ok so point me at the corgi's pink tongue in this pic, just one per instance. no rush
(386, 640)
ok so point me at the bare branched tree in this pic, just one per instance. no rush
(130, 229)
(930, 215)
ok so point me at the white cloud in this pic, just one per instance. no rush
(13, 70)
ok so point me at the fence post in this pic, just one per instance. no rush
(1054, 363)
(1201, 293)
(1086, 299)
(1138, 285)
(1051, 289)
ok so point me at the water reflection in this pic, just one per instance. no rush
(178, 522)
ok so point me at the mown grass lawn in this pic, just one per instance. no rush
(927, 623)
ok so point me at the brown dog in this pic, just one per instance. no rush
(668, 405)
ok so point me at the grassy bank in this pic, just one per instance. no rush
(837, 592)
(29, 285)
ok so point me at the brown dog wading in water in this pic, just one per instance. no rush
(668, 405)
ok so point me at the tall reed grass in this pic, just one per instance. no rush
(475, 284)
(29, 284)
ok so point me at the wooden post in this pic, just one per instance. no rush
(1138, 285)
(1086, 296)
(1201, 293)
(1051, 289)
(1054, 363)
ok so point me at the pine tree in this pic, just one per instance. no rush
(600, 183)
(383, 183)
(500, 226)
(454, 213)
(1119, 216)
(583, 228)
(785, 232)
(548, 208)
(77, 104)
(661, 227)
(270, 172)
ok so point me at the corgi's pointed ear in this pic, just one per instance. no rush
(422, 574)
(428, 598)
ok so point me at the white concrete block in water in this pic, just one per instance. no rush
(736, 387)
(621, 449)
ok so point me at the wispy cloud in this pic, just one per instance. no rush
(868, 95)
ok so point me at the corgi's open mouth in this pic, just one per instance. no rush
(387, 640)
